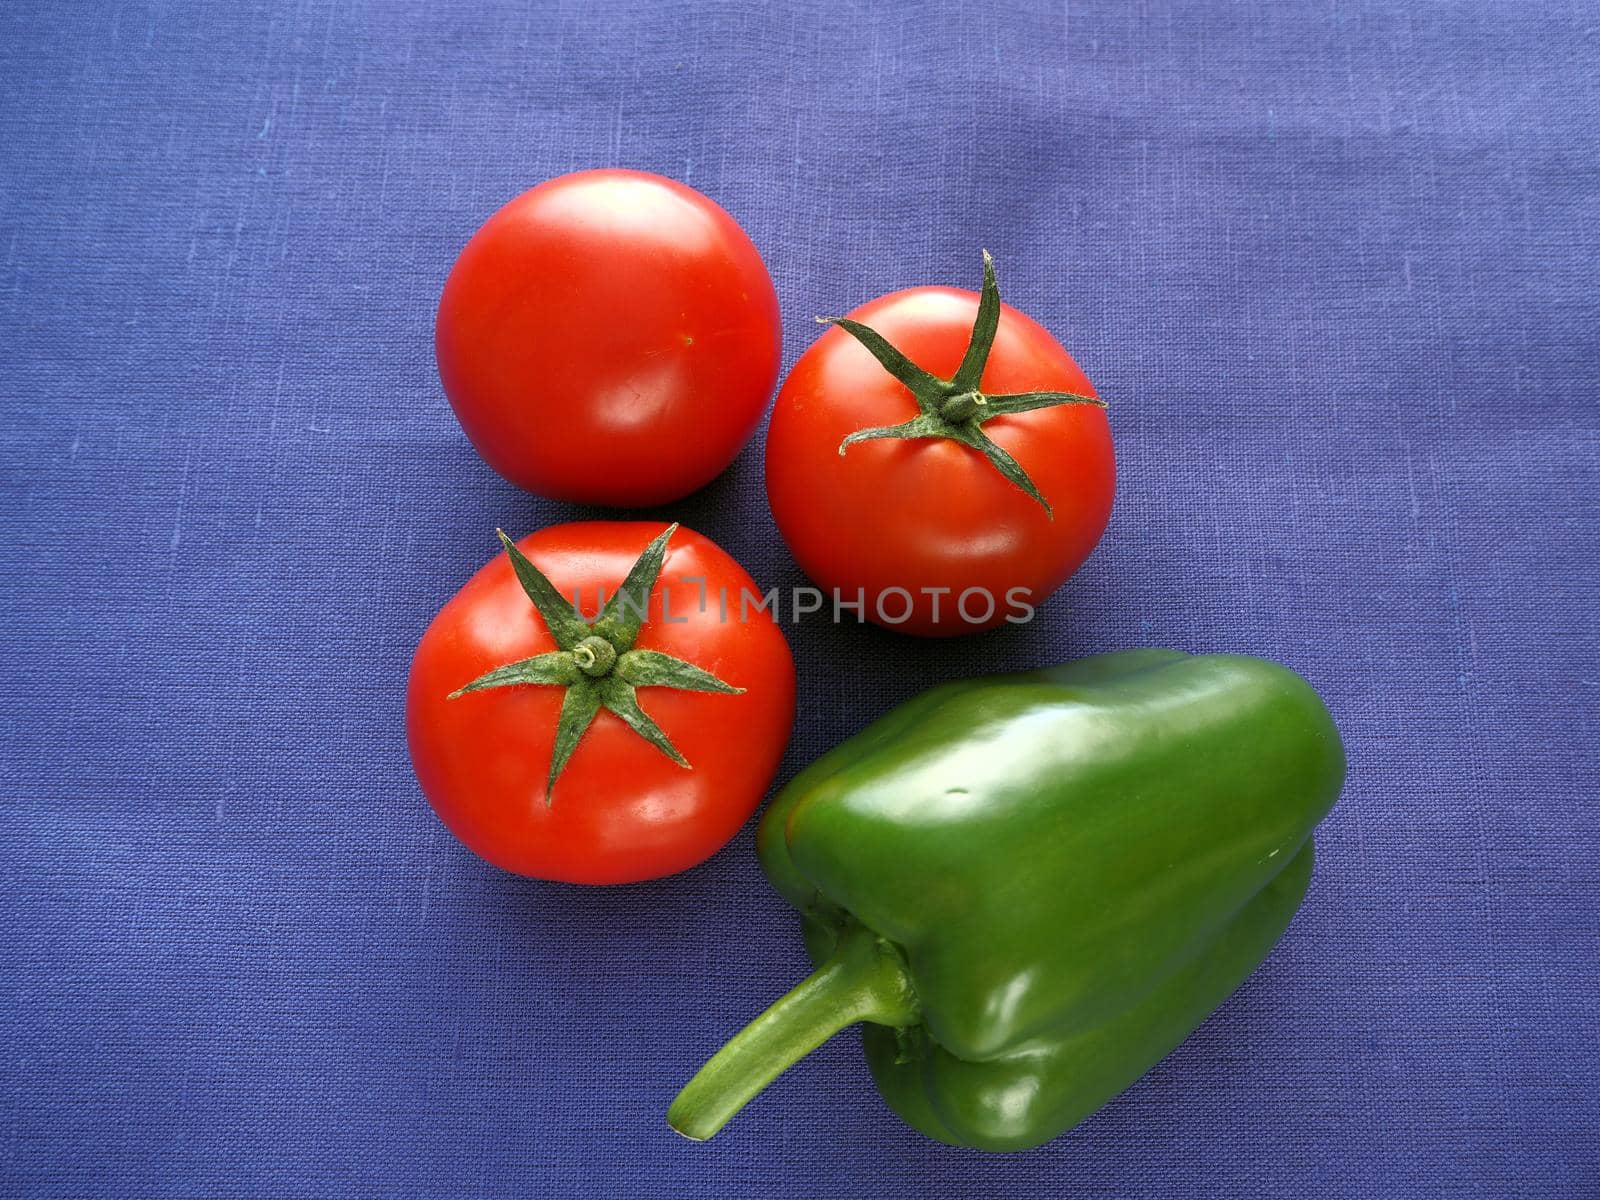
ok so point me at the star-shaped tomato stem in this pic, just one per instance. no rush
(956, 408)
(596, 662)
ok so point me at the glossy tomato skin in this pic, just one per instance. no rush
(622, 810)
(609, 337)
(934, 514)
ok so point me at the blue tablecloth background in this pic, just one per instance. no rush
(1333, 262)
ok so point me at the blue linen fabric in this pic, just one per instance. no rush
(1333, 262)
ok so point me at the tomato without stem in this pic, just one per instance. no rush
(495, 683)
(925, 517)
(609, 337)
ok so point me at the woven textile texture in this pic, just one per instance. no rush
(1332, 262)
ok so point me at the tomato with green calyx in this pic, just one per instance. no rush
(609, 337)
(622, 745)
(938, 457)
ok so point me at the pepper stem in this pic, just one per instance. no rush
(863, 981)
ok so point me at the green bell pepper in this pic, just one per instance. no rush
(1031, 887)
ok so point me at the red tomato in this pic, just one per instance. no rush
(932, 516)
(621, 809)
(609, 337)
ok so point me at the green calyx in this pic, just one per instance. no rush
(595, 662)
(956, 408)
